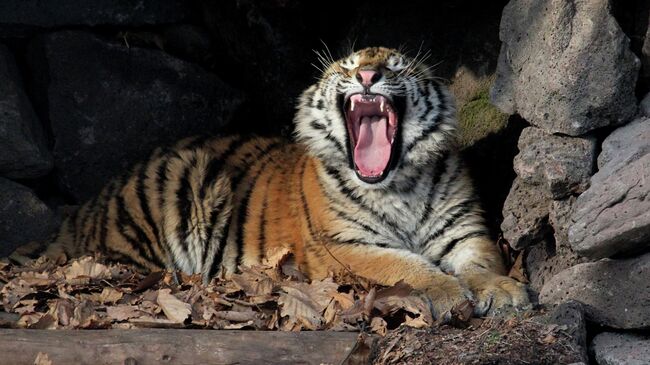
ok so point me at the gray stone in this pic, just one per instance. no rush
(614, 293)
(625, 145)
(562, 164)
(525, 214)
(644, 106)
(571, 317)
(621, 349)
(613, 215)
(23, 217)
(23, 151)
(110, 105)
(35, 13)
(565, 66)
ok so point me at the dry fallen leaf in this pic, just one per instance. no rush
(123, 312)
(298, 309)
(175, 309)
(517, 270)
(87, 267)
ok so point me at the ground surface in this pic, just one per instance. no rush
(90, 294)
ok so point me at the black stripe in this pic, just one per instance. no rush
(327, 135)
(216, 165)
(440, 108)
(112, 189)
(452, 244)
(184, 204)
(303, 199)
(212, 218)
(144, 201)
(262, 233)
(219, 257)
(350, 194)
(142, 243)
(243, 207)
(439, 170)
(461, 210)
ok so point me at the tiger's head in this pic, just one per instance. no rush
(376, 117)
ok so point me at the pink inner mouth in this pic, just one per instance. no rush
(372, 123)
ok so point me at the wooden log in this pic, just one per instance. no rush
(180, 346)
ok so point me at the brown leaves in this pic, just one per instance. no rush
(175, 310)
(87, 293)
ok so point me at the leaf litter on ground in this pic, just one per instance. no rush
(90, 293)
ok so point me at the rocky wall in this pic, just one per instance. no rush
(579, 208)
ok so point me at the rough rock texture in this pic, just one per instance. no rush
(571, 317)
(110, 105)
(625, 145)
(23, 151)
(90, 12)
(613, 215)
(621, 349)
(615, 293)
(525, 214)
(562, 164)
(644, 106)
(565, 81)
(23, 217)
(554, 254)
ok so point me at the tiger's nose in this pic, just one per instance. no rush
(368, 77)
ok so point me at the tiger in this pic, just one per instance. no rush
(371, 182)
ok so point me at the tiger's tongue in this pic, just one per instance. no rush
(372, 152)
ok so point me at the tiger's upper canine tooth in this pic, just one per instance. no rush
(381, 105)
(352, 105)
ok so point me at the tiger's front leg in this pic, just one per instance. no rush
(387, 266)
(478, 264)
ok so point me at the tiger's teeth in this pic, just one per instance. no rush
(381, 106)
(352, 105)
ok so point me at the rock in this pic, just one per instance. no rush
(554, 254)
(611, 348)
(23, 150)
(645, 51)
(625, 145)
(565, 67)
(613, 215)
(562, 164)
(110, 106)
(570, 316)
(615, 293)
(35, 13)
(644, 106)
(23, 217)
(525, 214)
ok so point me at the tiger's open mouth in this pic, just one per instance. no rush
(372, 123)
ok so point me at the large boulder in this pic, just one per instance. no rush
(565, 66)
(23, 150)
(110, 105)
(36, 13)
(546, 259)
(23, 217)
(614, 292)
(613, 215)
(561, 164)
(525, 214)
(611, 348)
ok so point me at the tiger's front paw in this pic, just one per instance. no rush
(493, 292)
(445, 293)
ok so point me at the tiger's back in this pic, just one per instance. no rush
(186, 207)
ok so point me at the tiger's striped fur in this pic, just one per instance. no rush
(208, 205)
